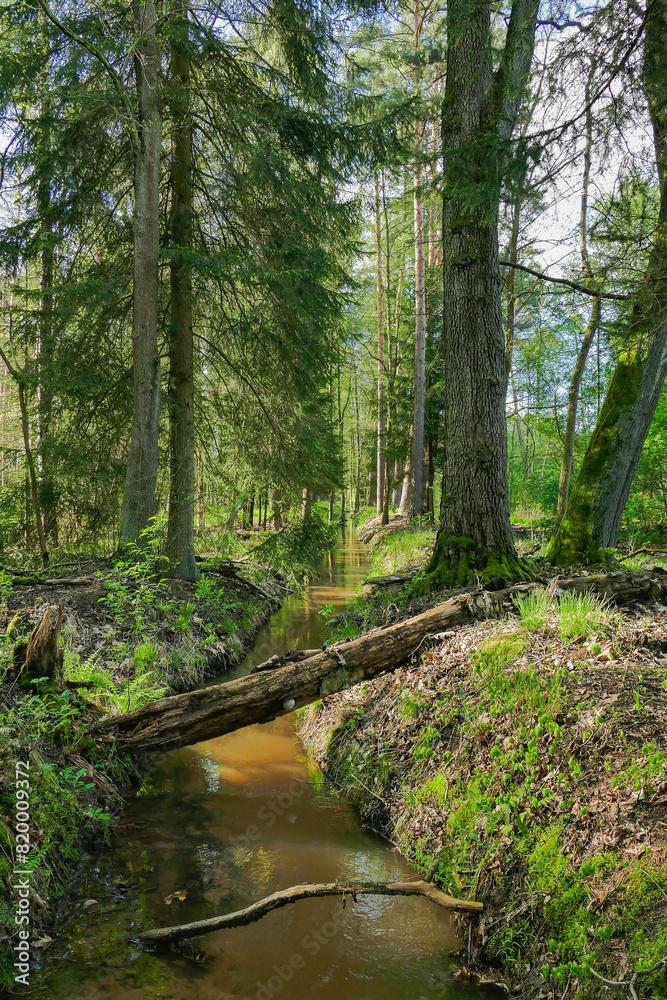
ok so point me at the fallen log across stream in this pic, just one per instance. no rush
(204, 714)
(167, 935)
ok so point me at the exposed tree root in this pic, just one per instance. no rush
(457, 562)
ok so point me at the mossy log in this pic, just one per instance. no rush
(168, 935)
(204, 714)
(387, 581)
(291, 656)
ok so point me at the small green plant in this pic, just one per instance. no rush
(425, 744)
(411, 705)
(183, 622)
(535, 610)
(581, 616)
(145, 655)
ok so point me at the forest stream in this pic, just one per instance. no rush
(230, 821)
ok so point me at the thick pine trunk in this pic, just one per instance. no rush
(47, 491)
(139, 495)
(595, 507)
(419, 402)
(480, 110)
(181, 525)
(380, 378)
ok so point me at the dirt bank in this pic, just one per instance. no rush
(125, 639)
(523, 763)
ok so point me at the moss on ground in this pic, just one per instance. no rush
(526, 769)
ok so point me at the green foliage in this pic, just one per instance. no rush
(535, 609)
(582, 615)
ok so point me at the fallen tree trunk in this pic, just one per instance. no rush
(167, 935)
(200, 715)
(204, 714)
(291, 656)
(385, 581)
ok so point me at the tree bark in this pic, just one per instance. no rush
(139, 495)
(167, 935)
(419, 402)
(591, 329)
(47, 492)
(480, 110)
(593, 514)
(306, 509)
(276, 514)
(380, 379)
(181, 523)
(30, 462)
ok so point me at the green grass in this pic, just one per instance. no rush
(581, 616)
(535, 610)
(400, 552)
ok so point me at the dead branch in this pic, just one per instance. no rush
(167, 935)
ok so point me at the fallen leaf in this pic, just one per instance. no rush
(88, 902)
(181, 894)
(43, 942)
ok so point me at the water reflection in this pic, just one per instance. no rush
(230, 821)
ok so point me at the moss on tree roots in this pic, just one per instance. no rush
(457, 561)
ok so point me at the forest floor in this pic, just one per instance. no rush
(521, 762)
(127, 638)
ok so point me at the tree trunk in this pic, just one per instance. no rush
(387, 495)
(406, 489)
(511, 292)
(30, 462)
(206, 713)
(307, 503)
(181, 524)
(47, 492)
(139, 495)
(417, 497)
(593, 514)
(591, 329)
(357, 442)
(480, 110)
(276, 511)
(380, 382)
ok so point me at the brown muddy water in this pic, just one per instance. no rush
(230, 821)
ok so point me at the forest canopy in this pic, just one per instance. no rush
(267, 261)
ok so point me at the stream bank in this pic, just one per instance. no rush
(523, 763)
(222, 824)
(126, 638)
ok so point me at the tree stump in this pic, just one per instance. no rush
(41, 655)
